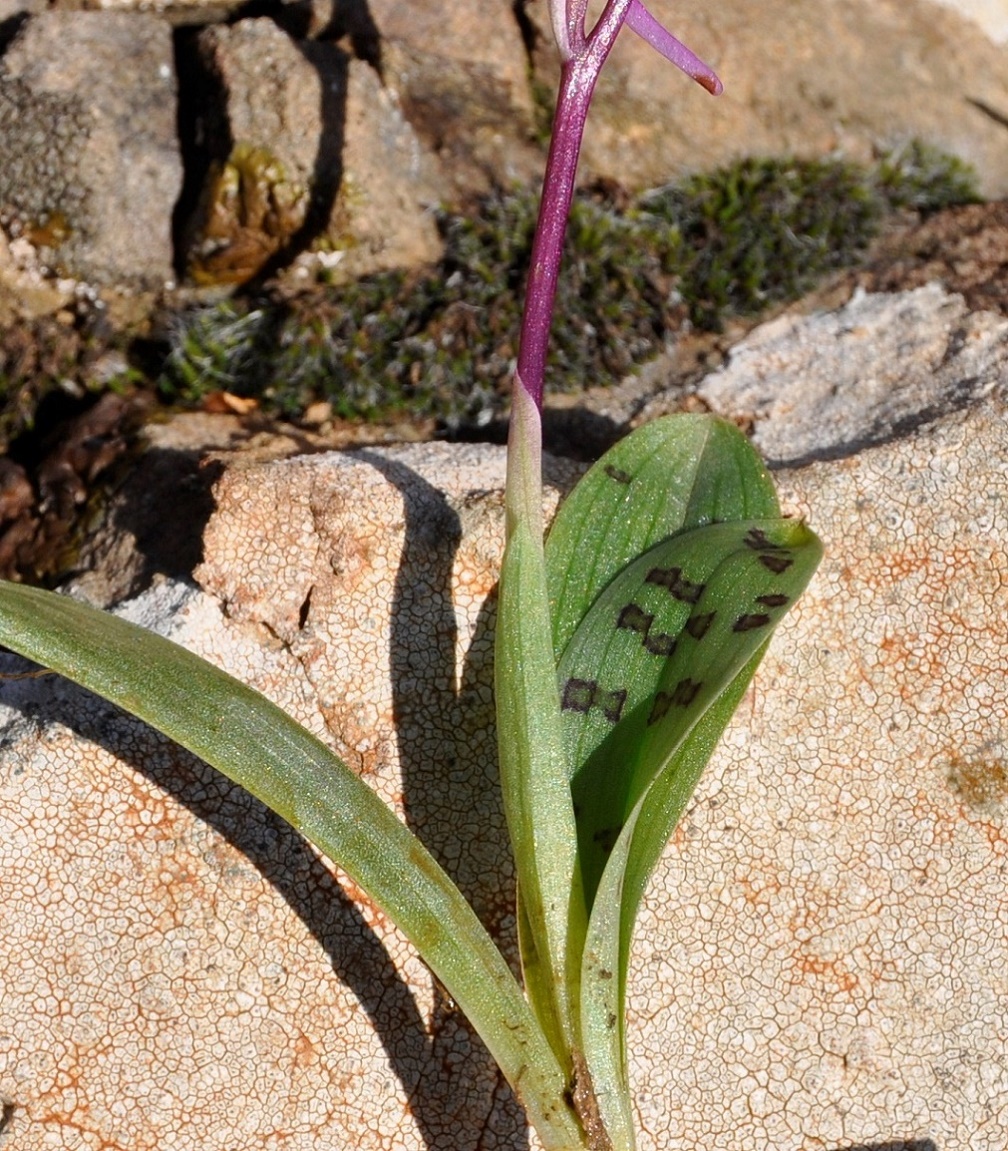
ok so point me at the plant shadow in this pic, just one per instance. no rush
(287, 863)
(446, 731)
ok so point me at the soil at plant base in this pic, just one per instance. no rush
(59, 475)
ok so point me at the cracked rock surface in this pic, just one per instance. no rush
(821, 962)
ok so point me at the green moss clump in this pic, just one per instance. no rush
(925, 179)
(442, 344)
(764, 231)
(214, 349)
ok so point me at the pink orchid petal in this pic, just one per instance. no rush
(648, 28)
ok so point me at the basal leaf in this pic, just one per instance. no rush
(656, 649)
(540, 815)
(257, 745)
(537, 802)
(675, 474)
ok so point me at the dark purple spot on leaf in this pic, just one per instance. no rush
(611, 703)
(777, 564)
(777, 600)
(662, 644)
(685, 692)
(579, 695)
(698, 625)
(682, 695)
(676, 584)
(634, 618)
(750, 622)
(660, 707)
(760, 542)
(606, 838)
(610, 1021)
(617, 474)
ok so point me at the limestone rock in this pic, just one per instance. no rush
(15, 10)
(991, 15)
(318, 152)
(175, 12)
(390, 186)
(87, 127)
(298, 1076)
(809, 79)
(461, 71)
(483, 33)
(825, 386)
(822, 960)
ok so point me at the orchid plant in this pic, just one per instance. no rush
(623, 645)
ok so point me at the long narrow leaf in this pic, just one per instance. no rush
(552, 915)
(255, 744)
(537, 799)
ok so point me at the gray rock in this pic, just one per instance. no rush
(461, 71)
(87, 127)
(175, 12)
(44, 138)
(278, 92)
(828, 385)
(320, 154)
(13, 9)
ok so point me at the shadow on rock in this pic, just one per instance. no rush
(436, 719)
(897, 1145)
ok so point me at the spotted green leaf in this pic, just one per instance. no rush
(664, 640)
(656, 649)
(670, 475)
(688, 502)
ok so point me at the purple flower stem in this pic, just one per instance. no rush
(577, 82)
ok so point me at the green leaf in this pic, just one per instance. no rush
(676, 473)
(670, 644)
(255, 744)
(655, 650)
(668, 477)
(537, 800)
(552, 917)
